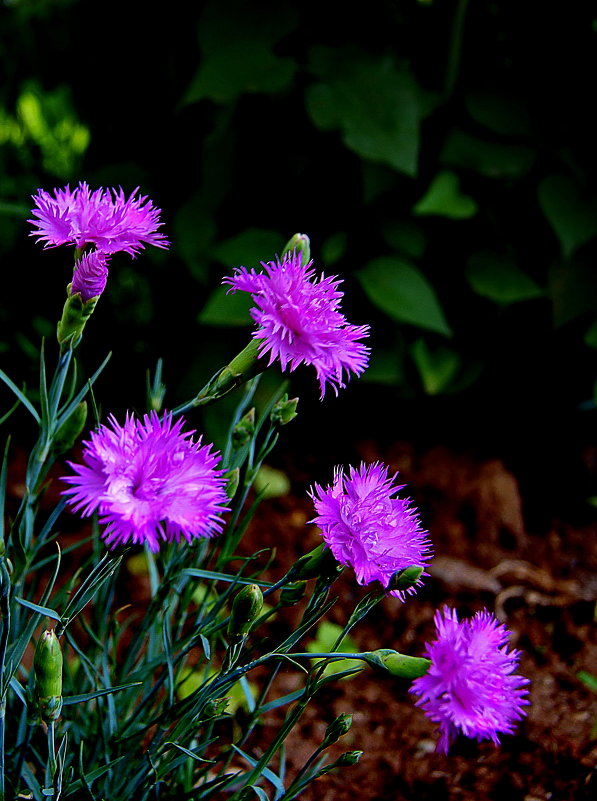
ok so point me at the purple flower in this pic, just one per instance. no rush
(90, 276)
(300, 322)
(369, 529)
(149, 482)
(105, 218)
(471, 686)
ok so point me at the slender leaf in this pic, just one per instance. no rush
(26, 403)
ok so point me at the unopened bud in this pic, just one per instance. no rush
(244, 430)
(292, 593)
(318, 562)
(405, 579)
(348, 758)
(246, 608)
(70, 431)
(300, 244)
(232, 482)
(47, 665)
(406, 667)
(284, 411)
(337, 729)
(215, 708)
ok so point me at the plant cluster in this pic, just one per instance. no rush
(119, 702)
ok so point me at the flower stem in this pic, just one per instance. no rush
(247, 364)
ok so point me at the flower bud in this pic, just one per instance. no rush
(348, 758)
(246, 608)
(405, 579)
(337, 729)
(70, 430)
(284, 411)
(215, 708)
(244, 430)
(300, 244)
(47, 665)
(292, 593)
(75, 314)
(318, 562)
(406, 667)
(232, 482)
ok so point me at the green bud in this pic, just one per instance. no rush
(301, 244)
(284, 411)
(348, 758)
(246, 608)
(47, 665)
(70, 431)
(232, 482)
(244, 430)
(292, 593)
(406, 667)
(337, 729)
(404, 579)
(215, 708)
(318, 562)
(75, 314)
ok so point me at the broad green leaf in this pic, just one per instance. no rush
(444, 199)
(333, 248)
(248, 248)
(406, 237)
(238, 68)
(226, 309)
(491, 159)
(573, 290)
(499, 278)
(400, 290)
(436, 367)
(571, 214)
(237, 40)
(386, 367)
(591, 335)
(325, 638)
(505, 114)
(271, 483)
(374, 104)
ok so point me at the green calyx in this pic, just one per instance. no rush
(75, 314)
(246, 608)
(47, 665)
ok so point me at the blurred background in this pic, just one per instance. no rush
(440, 155)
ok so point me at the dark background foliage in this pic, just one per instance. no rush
(439, 155)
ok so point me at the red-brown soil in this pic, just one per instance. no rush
(542, 584)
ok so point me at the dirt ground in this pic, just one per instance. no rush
(494, 547)
(541, 583)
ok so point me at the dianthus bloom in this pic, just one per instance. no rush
(299, 321)
(149, 481)
(90, 276)
(471, 686)
(366, 527)
(105, 218)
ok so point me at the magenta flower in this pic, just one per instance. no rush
(471, 686)
(90, 276)
(105, 218)
(366, 527)
(149, 482)
(299, 321)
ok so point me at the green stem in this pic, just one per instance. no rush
(455, 49)
(244, 366)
